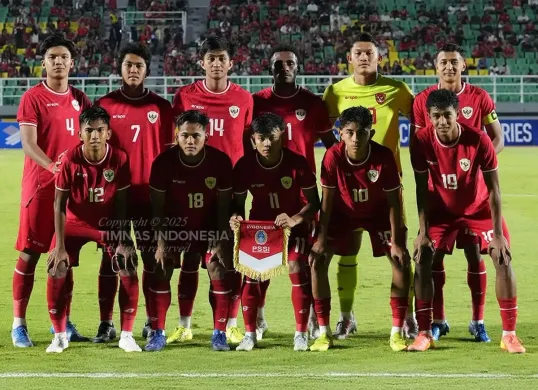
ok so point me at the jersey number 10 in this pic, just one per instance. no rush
(360, 195)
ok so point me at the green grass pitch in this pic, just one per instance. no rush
(364, 361)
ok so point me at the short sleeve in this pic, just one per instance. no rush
(323, 123)
(419, 112)
(406, 101)
(487, 107)
(485, 155)
(418, 159)
(64, 178)
(225, 181)
(240, 184)
(124, 174)
(329, 177)
(390, 176)
(305, 177)
(28, 113)
(249, 113)
(329, 98)
(168, 124)
(159, 179)
(84, 101)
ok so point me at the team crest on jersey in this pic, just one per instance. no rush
(465, 164)
(286, 182)
(373, 175)
(108, 174)
(261, 237)
(152, 117)
(467, 112)
(234, 111)
(380, 98)
(75, 104)
(300, 114)
(210, 182)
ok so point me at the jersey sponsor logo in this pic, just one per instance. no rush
(258, 185)
(261, 237)
(197, 107)
(432, 162)
(108, 174)
(178, 181)
(465, 164)
(467, 112)
(380, 98)
(373, 175)
(234, 111)
(210, 182)
(351, 97)
(53, 104)
(300, 114)
(75, 104)
(119, 116)
(152, 117)
(286, 182)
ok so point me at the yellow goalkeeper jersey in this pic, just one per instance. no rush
(385, 99)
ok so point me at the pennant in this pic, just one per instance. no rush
(261, 249)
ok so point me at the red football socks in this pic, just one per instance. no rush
(219, 298)
(508, 308)
(250, 298)
(322, 307)
(234, 281)
(161, 296)
(69, 285)
(57, 303)
(399, 310)
(301, 297)
(186, 291)
(423, 312)
(439, 279)
(128, 298)
(23, 283)
(477, 279)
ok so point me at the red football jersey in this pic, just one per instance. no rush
(455, 170)
(191, 191)
(476, 107)
(274, 190)
(360, 188)
(305, 114)
(229, 112)
(93, 186)
(55, 116)
(144, 128)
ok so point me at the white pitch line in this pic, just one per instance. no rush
(520, 195)
(201, 375)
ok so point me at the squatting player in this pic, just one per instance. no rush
(306, 118)
(386, 98)
(229, 108)
(283, 189)
(460, 162)
(191, 193)
(143, 126)
(361, 192)
(48, 118)
(92, 187)
(477, 110)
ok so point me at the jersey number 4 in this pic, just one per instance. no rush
(70, 125)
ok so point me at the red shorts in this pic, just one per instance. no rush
(36, 225)
(76, 237)
(445, 229)
(341, 235)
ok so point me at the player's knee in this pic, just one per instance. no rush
(215, 270)
(29, 256)
(129, 272)
(191, 262)
(294, 267)
(60, 272)
(472, 254)
(438, 260)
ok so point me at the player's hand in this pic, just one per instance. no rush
(421, 242)
(498, 249)
(317, 253)
(160, 257)
(126, 254)
(54, 167)
(400, 255)
(285, 221)
(56, 257)
(235, 221)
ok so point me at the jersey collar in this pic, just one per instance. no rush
(144, 94)
(463, 84)
(274, 166)
(453, 143)
(285, 97)
(191, 166)
(98, 162)
(358, 164)
(56, 93)
(216, 93)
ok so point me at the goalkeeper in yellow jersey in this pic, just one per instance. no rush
(386, 99)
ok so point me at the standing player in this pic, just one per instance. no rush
(190, 183)
(229, 108)
(91, 188)
(459, 161)
(277, 178)
(386, 98)
(48, 118)
(479, 112)
(143, 125)
(361, 192)
(306, 118)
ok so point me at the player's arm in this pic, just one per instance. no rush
(495, 132)
(406, 108)
(395, 215)
(238, 214)
(329, 98)
(248, 144)
(33, 151)
(60, 207)
(491, 122)
(310, 209)
(324, 125)
(240, 189)
(328, 138)
(327, 198)
(492, 182)
(421, 183)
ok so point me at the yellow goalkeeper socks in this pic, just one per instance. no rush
(347, 276)
(411, 308)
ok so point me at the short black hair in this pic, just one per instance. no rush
(55, 40)
(216, 44)
(442, 99)
(364, 37)
(360, 115)
(284, 47)
(266, 123)
(94, 113)
(450, 47)
(138, 49)
(192, 116)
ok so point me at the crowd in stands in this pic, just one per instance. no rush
(320, 29)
